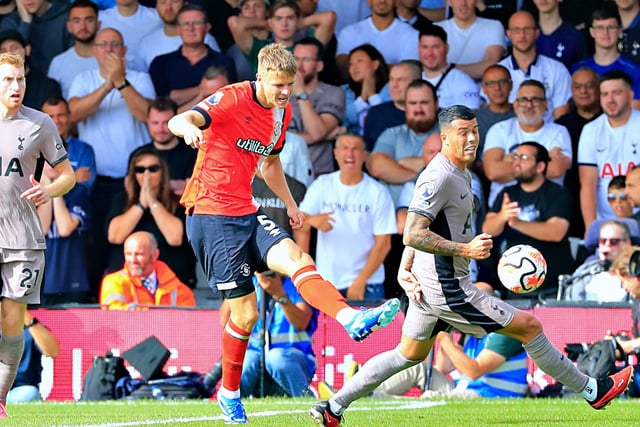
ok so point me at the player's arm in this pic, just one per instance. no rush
(42, 193)
(187, 126)
(418, 236)
(377, 254)
(588, 193)
(273, 175)
(487, 360)
(407, 280)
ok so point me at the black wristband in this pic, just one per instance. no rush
(124, 84)
(138, 204)
(34, 322)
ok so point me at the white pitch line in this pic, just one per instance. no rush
(388, 406)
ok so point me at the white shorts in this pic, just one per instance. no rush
(465, 308)
(21, 273)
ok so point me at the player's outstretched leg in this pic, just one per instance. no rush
(321, 414)
(324, 296)
(611, 387)
(365, 322)
(232, 410)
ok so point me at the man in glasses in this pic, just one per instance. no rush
(593, 281)
(110, 104)
(530, 105)
(177, 74)
(536, 212)
(526, 63)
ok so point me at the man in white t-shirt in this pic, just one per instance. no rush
(528, 125)
(474, 42)
(393, 38)
(355, 219)
(110, 105)
(83, 25)
(453, 86)
(133, 21)
(525, 63)
(609, 145)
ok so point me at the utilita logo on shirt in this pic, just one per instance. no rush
(254, 146)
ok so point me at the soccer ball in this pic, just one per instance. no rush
(522, 269)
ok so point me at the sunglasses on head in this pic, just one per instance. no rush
(143, 169)
(613, 242)
(614, 196)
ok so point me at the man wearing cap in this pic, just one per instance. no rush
(39, 86)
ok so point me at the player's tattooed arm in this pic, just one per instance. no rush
(418, 236)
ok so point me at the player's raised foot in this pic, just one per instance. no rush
(611, 387)
(232, 410)
(3, 411)
(367, 321)
(321, 414)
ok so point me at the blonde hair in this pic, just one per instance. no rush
(11, 59)
(275, 57)
(621, 264)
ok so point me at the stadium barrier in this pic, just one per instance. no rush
(194, 339)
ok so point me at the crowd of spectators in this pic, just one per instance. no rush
(555, 86)
(112, 73)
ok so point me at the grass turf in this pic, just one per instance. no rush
(365, 412)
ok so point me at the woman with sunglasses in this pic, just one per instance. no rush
(617, 197)
(148, 204)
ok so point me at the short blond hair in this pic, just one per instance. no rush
(11, 59)
(275, 57)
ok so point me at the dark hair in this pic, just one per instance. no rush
(278, 4)
(542, 154)
(534, 83)
(419, 83)
(435, 31)
(164, 103)
(447, 115)
(606, 11)
(165, 195)
(497, 67)
(382, 73)
(618, 181)
(617, 75)
(190, 7)
(312, 41)
(84, 3)
(55, 100)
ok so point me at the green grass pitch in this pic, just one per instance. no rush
(363, 413)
